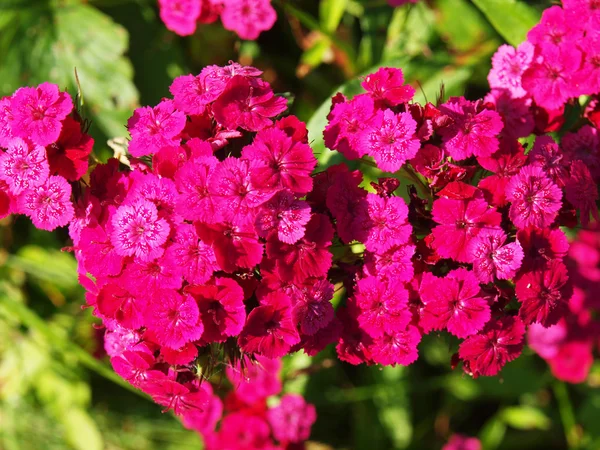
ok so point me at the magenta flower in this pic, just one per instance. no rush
(508, 65)
(386, 224)
(192, 181)
(541, 245)
(269, 329)
(151, 276)
(242, 430)
(573, 361)
(535, 199)
(292, 419)
(137, 231)
(390, 140)
(278, 162)
(387, 86)
(549, 156)
(116, 301)
(313, 310)
(492, 258)
(395, 263)
(205, 420)
(99, 255)
(472, 130)
(172, 320)
(154, 128)
(454, 302)
(285, 215)
(133, 366)
(554, 29)
(248, 18)
(37, 113)
(175, 396)
(195, 259)
(247, 104)
(582, 192)
(383, 306)
(6, 134)
(180, 16)
(461, 442)
(23, 166)
(396, 348)
(515, 112)
(348, 205)
(584, 145)
(500, 342)
(48, 205)
(544, 294)
(255, 379)
(460, 221)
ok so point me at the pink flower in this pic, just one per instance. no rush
(116, 301)
(255, 379)
(460, 221)
(6, 134)
(454, 302)
(472, 130)
(492, 258)
(248, 18)
(158, 190)
(172, 319)
(278, 162)
(23, 166)
(133, 366)
(151, 276)
(501, 341)
(347, 202)
(68, 156)
(154, 128)
(395, 263)
(544, 294)
(195, 259)
(247, 104)
(37, 113)
(573, 362)
(553, 30)
(461, 442)
(584, 145)
(205, 420)
(547, 342)
(383, 306)
(387, 87)
(542, 245)
(508, 65)
(48, 205)
(180, 15)
(515, 112)
(175, 396)
(269, 330)
(192, 181)
(313, 310)
(582, 192)
(548, 155)
(587, 79)
(396, 348)
(137, 231)
(386, 224)
(389, 139)
(535, 199)
(222, 309)
(292, 419)
(285, 215)
(182, 356)
(100, 257)
(241, 430)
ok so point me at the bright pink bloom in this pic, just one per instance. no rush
(573, 362)
(242, 431)
(37, 113)
(133, 365)
(549, 156)
(584, 145)
(461, 442)
(544, 294)
(501, 341)
(541, 246)
(192, 182)
(386, 224)
(278, 162)
(554, 29)
(68, 157)
(285, 215)
(23, 166)
(508, 65)
(137, 231)
(116, 301)
(454, 302)
(515, 112)
(587, 79)
(582, 192)
(347, 201)
(547, 342)
(255, 379)
(181, 356)
(396, 348)
(535, 199)
(383, 306)
(100, 256)
(269, 329)
(222, 309)
(292, 419)
(390, 140)
(313, 310)
(248, 18)
(492, 258)
(154, 128)
(180, 15)
(151, 276)
(387, 86)
(191, 256)
(460, 221)
(395, 263)
(158, 190)
(247, 104)
(175, 396)
(6, 134)
(48, 205)
(205, 420)
(472, 130)
(172, 319)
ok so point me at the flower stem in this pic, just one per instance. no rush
(567, 415)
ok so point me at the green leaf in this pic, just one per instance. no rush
(525, 418)
(331, 13)
(409, 31)
(492, 433)
(461, 24)
(374, 25)
(512, 19)
(81, 431)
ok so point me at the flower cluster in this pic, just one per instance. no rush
(43, 148)
(568, 345)
(247, 18)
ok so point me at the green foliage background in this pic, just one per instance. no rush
(54, 392)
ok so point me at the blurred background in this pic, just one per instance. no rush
(57, 390)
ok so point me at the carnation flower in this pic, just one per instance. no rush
(150, 276)
(389, 139)
(248, 18)
(242, 430)
(395, 263)
(180, 16)
(204, 420)
(175, 396)
(508, 65)
(172, 320)
(313, 310)
(285, 215)
(461, 442)
(386, 224)
(515, 112)
(546, 342)
(68, 156)
(6, 134)
(454, 302)
(191, 256)
(133, 366)
(548, 155)
(471, 130)
(587, 79)
(48, 205)
(553, 30)
(501, 341)
(387, 86)
(192, 181)
(269, 329)
(347, 203)
(37, 113)
(100, 257)
(116, 301)
(396, 348)
(582, 192)
(492, 258)
(544, 294)
(292, 419)
(573, 362)
(257, 380)
(181, 356)
(583, 145)
(137, 230)
(23, 166)
(535, 199)
(154, 128)
(542, 245)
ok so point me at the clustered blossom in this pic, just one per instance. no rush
(247, 18)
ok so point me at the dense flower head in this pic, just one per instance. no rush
(23, 166)
(48, 205)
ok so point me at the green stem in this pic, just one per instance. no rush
(34, 322)
(567, 416)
